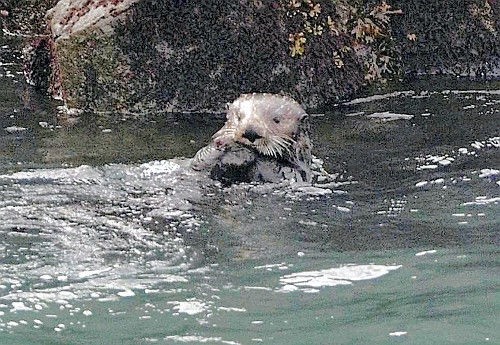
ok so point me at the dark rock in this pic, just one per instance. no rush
(457, 37)
(148, 55)
(185, 55)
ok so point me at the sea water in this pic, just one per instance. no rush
(108, 237)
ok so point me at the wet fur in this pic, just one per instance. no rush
(281, 124)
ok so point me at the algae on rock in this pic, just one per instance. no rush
(94, 73)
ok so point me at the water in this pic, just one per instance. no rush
(107, 236)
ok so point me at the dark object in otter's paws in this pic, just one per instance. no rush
(235, 164)
(239, 163)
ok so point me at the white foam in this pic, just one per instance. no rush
(158, 168)
(288, 288)
(308, 222)
(489, 172)
(380, 97)
(344, 275)
(239, 310)
(86, 274)
(189, 307)
(426, 252)
(482, 201)
(19, 306)
(343, 209)
(257, 288)
(311, 190)
(69, 175)
(388, 116)
(281, 264)
(15, 129)
(477, 145)
(199, 339)
(485, 92)
(398, 333)
(446, 161)
(428, 167)
(126, 293)
(65, 295)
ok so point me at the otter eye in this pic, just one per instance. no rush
(276, 120)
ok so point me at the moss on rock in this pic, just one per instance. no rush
(93, 72)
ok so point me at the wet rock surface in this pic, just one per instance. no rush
(124, 56)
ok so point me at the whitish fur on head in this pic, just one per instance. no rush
(274, 125)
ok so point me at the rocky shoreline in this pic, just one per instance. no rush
(137, 56)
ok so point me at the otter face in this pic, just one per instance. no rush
(268, 123)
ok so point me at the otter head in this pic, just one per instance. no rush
(273, 125)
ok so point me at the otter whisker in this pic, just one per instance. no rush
(286, 140)
(267, 148)
(277, 149)
(283, 144)
(272, 149)
(269, 151)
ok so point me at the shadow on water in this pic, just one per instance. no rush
(42, 139)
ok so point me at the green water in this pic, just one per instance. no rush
(447, 297)
(107, 236)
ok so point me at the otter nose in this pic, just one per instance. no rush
(251, 135)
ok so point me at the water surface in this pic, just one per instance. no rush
(107, 236)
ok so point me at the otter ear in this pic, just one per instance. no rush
(303, 117)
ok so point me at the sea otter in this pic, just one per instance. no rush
(265, 138)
